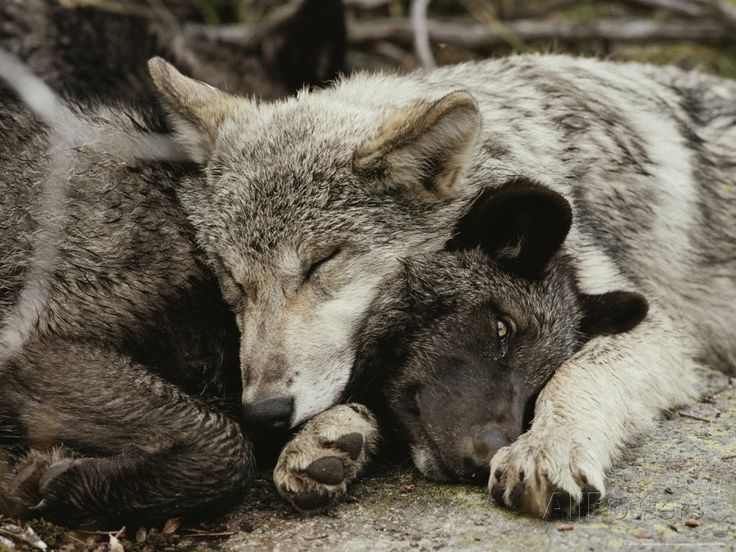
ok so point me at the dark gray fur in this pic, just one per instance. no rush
(455, 390)
(133, 321)
(117, 410)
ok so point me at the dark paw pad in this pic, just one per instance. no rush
(328, 470)
(311, 501)
(352, 443)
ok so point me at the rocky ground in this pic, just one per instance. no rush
(675, 488)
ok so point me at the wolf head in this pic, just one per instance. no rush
(471, 336)
(305, 206)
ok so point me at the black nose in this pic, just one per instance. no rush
(272, 413)
(477, 458)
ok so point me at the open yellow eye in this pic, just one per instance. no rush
(503, 329)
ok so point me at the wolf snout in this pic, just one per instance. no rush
(272, 413)
(478, 451)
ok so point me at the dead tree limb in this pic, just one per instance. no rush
(418, 18)
(475, 36)
(536, 10)
(681, 7)
(694, 8)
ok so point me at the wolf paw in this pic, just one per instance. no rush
(316, 466)
(30, 490)
(546, 475)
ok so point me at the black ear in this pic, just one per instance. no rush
(309, 44)
(612, 313)
(521, 224)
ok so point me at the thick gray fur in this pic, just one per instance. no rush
(118, 408)
(310, 202)
(459, 344)
(132, 310)
(303, 207)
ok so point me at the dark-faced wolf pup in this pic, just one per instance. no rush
(310, 203)
(459, 345)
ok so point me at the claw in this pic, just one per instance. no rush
(39, 507)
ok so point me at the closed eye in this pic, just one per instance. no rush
(320, 263)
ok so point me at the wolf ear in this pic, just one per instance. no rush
(521, 224)
(612, 313)
(425, 147)
(196, 109)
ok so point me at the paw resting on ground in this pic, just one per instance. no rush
(34, 486)
(546, 475)
(316, 466)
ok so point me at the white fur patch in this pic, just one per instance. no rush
(323, 352)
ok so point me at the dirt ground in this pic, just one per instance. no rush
(675, 488)
(685, 470)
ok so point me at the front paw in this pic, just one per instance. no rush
(33, 489)
(316, 466)
(546, 475)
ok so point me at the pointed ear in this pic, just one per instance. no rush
(612, 313)
(196, 109)
(521, 224)
(424, 148)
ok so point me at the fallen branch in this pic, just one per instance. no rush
(694, 8)
(418, 18)
(366, 4)
(681, 7)
(475, 36)
(516, 12)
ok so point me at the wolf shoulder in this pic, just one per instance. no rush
(124, 239)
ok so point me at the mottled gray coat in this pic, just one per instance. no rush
(311, 202)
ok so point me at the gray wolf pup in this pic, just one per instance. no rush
(309, 203)
(463, 341)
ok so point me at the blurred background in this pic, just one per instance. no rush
(689, 33)
(271, 48)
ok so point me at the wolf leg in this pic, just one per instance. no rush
(612, 390)
(143, 451)
(317, 465)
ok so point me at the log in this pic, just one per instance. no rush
(474, 36)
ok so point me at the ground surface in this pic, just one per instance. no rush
(685, 470)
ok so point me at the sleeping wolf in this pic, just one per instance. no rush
(311, 202)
